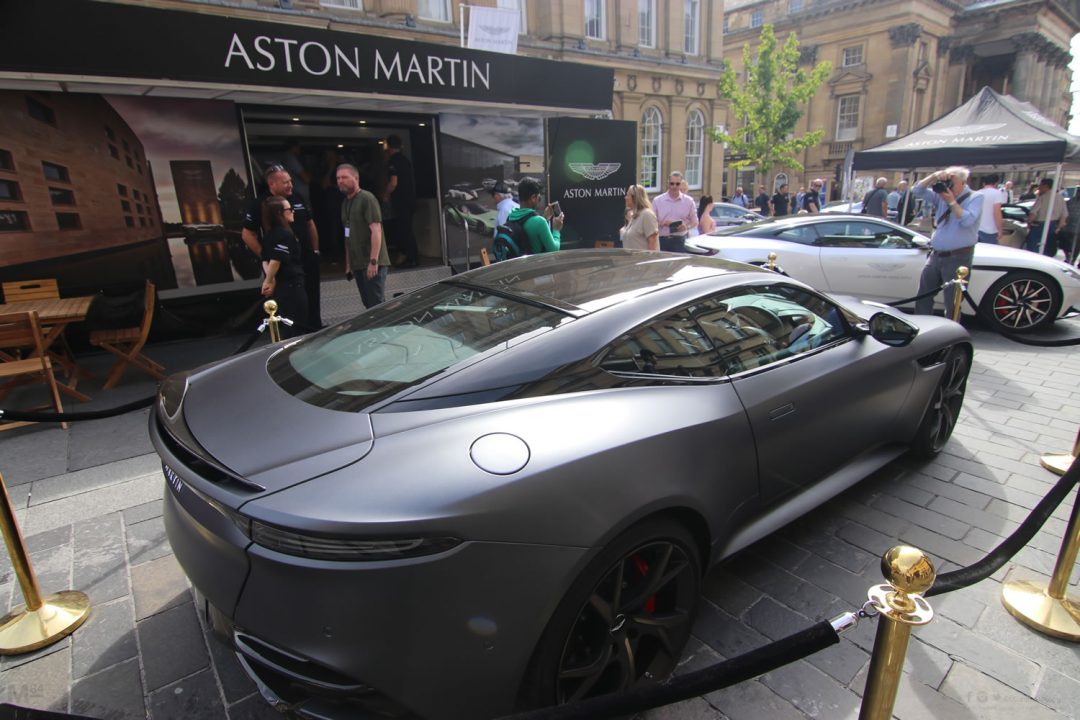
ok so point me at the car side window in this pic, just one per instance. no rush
(753, 327)
(802, 234)
(673, 345)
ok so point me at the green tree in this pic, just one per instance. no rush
(770, 98)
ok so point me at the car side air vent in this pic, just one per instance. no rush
(934, 358)
(201, 467)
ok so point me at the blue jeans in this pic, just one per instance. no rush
(371, 291)
(1035, 233)
(985, 237)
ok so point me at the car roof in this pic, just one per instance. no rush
(579, 282)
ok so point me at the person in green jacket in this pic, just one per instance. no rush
(542, 237)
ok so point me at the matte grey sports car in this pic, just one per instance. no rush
(503, 490)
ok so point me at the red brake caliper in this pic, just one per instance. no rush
(643, 568)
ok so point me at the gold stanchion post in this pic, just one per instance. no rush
(1058, 464)
(1048, 609)
(41, 621)
(958, 292)
(909, 573)
(270, 306)
(772, 262)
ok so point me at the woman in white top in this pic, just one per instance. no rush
(642, 230)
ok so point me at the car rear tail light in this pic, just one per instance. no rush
(346, 549)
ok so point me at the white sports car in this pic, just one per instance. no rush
(878, 260)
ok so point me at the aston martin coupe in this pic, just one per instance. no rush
(503, 490)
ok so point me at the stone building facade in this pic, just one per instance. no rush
(898, 64)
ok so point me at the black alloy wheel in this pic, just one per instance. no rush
(1022, 302)
(941, 415)
(626, 619)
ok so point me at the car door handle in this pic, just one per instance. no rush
(781, 411)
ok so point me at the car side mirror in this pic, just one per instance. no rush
(890, 330)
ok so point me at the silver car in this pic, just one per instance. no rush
(503, 490)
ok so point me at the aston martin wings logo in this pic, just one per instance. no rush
(964, 129)
(495, 29)
(595, 171)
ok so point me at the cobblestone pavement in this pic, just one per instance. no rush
(88, 499)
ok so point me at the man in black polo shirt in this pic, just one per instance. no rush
(279, 182)
(401, 191)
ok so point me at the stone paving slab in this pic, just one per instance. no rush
(89, 503)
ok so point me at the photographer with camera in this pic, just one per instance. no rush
(957, 211)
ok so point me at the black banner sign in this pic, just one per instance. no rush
(590, 165)
(79, 37)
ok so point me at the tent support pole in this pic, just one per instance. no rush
(907, 199)
(1050, 209)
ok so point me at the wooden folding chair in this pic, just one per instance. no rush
(21, 334)
(44, 289)
(127, 344)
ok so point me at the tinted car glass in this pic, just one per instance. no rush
(401, 343)
(673, 345)
(761, 228)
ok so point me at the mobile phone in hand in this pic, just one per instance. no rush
(556, 211)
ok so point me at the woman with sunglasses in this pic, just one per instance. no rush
(281, 258)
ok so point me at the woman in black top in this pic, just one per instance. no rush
(281, 260)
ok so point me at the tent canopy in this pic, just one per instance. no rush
(989, 130)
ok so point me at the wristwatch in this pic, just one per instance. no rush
(373, 261)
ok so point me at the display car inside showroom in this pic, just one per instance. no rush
(503, 490)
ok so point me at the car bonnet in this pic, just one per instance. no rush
(249, 425)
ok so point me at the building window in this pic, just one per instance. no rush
(139, 168)
(847, 118)
(130, 164)
(55, 172)
(695, 148)
(138, 208)
(129, 221)
(9, 190)
(14, 221)
(40, 111)
(114, 152)
(61, 196)
(595, 27)
(121, 190)
(650, 148)
(691, 24)
(646, 23)
(852, 56)
(794, 6)
(6, 162)
(757, 19)
(110, 134)
(135, 193)
(726, 24)
(350, 4)
(523, 13)
(434, 10)
(68, 221)
(125, 206)
(142, 222)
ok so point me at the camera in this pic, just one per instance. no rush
(939, 187)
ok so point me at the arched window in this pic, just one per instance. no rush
(695, 148)
(650, 149)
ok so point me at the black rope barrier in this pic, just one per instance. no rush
(28, 416)
(682, 687)
(996, 559)
(932, 293)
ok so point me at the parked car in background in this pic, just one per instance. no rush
(726, 214)
(503, 490)
(879, 260)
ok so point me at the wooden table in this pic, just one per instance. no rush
(55, 314)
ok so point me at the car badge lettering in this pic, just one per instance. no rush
(173, 479)
(594, 171)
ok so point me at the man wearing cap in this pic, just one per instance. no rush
(279, 183)
(504, 203)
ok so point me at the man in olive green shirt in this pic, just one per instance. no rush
(366, 258)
